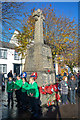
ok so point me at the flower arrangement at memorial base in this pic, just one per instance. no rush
(51, 92)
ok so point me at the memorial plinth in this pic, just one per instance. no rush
(39, 56)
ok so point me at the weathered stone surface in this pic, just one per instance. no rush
(43, 77)
(39, 58)
(38, 35)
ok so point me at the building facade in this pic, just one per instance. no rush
(9, 59)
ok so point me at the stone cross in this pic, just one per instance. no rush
(38, 35)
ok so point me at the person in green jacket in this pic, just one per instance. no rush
(34, 95)
(17, 88)
(10, 87)
(24, 93)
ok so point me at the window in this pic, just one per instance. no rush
(3, 54)
(16, 56)
(3, 68)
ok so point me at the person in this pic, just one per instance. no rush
(65, 73)
(77, 80)
(75, 75)
(24, 94)
(10, 74)
(10, 87)
(64, 90)
(73, 85)
(34, 95)
(69, 75)
(60, 77)
(78, 76)
(17, 88)
(2, 81)
(14, 77)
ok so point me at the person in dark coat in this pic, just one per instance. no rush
(73, 85)
(10, 74)
(2, 82)
(78, 76)
(17, 88)
(24, 93)
(70, 74)
(14, 77)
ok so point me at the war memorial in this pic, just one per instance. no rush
(39, 56)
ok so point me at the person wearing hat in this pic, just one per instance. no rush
(17, 88)
(23, 75)
(10, 87)
(34, 94)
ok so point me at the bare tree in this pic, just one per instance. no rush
(11, 18)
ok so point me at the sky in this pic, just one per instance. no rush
(68, 9)
(55, 0)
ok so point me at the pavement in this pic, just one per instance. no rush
(57, 111)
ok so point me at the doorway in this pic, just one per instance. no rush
(17, 69)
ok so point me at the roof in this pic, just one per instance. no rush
(7, 45)
(14, 40)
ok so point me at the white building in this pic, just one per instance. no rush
(9, 59)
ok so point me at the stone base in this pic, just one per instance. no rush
(43, 99)
(39, 59)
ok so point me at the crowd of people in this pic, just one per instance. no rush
(27, 92)
(68, 86)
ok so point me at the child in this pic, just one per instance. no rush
(17, 87)
(34, 93)
(73, 87)
(64, 90)
(24, 94)
(10, 86)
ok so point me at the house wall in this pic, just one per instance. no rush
(10, 60)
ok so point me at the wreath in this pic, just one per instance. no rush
(51, 92)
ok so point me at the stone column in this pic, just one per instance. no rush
(38, 35)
